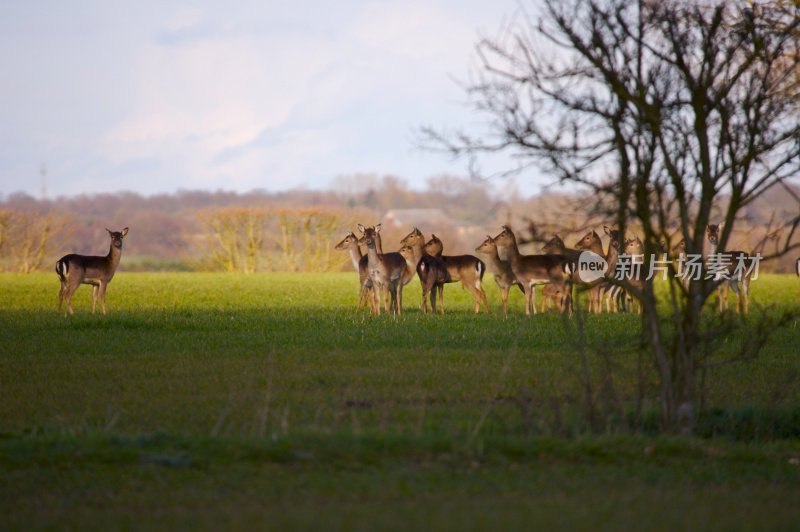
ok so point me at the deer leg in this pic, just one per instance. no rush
(437, 291)
(482, 294)
(746, 293)
(363, 293)
(61, 293)
(95, 288)
(376, 299)
(71, 287)
(103, 287)
(528, 300)
(399, 297)
(504, 297)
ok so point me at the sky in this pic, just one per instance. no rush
(158, 96)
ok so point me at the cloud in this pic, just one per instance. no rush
(237, 96)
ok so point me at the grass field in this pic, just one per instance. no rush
(221, 401)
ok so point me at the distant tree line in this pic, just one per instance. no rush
(295, 230)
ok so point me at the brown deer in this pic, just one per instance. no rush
(407, 275)
(556, 246)
(350, 243)
(591, 242)
(678, 253)
(501, 270)
(634, 250)
(431, 280)
(465, 268)
(385, 271)
(431, 271)
(730, 267)
(531, 270)
(74, 270)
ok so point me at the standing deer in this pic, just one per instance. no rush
(408, 274)
(350, 244)
(680, 259)
(501, 269)
(634, 248)
(591, 242)
(726, 265)
(74, 270)
(385, 270)
(556, 246)
(465, 268)
(531, 270)
(431, 271)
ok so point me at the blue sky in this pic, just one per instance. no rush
(156, 96)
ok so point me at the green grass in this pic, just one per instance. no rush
(265, 401)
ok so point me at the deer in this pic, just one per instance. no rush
(501, 270)
(350, 243)
(432, 271)
(74, 270)
(556, 246)
(591, 242)
(465, 268)
(531, 270)
(728, 271)
(432, 280)
(678, 253)
(385, 270)
(634, 249)
(407, 275)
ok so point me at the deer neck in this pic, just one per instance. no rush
(372, 254)
(514, 253)
(114, 254)
(355, 255)
(712, 248)
(419, 248)
(419, 251)
(494, 257)
(597, 248)
(611, 257)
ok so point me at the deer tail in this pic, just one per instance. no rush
(62, 269)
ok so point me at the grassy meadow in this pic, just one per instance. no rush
(209, 401)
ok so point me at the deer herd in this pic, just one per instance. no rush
(557, 269)
(382, 276)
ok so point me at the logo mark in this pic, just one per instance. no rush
(591, 267)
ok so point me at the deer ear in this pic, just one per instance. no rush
(378, 228)
(125, 231)
(361, 228)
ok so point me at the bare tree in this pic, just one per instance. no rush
(27, 237)
(659, 109)
(234, 237)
